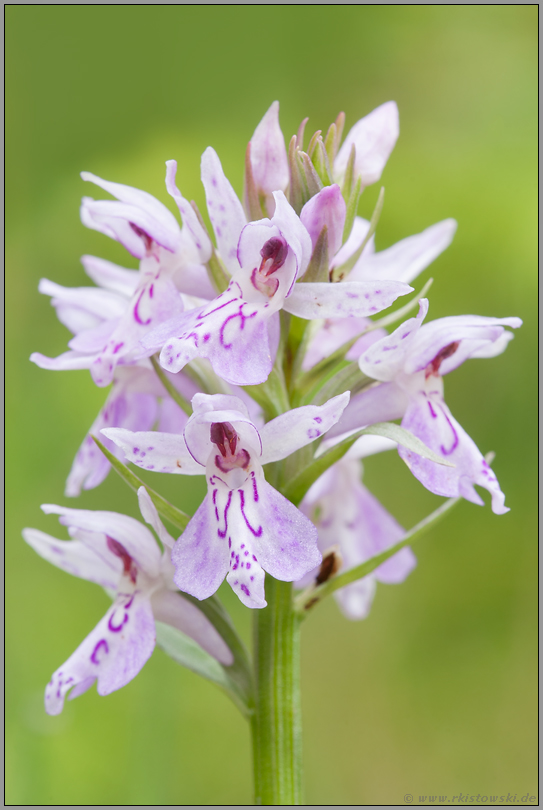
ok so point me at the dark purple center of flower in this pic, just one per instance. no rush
(225, 437)
(448, 351)
(119, 550)
(274, 254)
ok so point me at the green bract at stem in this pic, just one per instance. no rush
(276, 722)
(166, 509)
(170, 387)
(314, 594)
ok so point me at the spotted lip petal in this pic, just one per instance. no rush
(428, 417)
(113, 653)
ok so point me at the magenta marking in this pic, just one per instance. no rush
(101, 643)
(317, 419)
(117, 347)
(433, 414)
(245, 590)
(136, 313)
(256, 532)
(151, 290)
(255, 488)
(455, 437)
(226, 508)
(116, 627)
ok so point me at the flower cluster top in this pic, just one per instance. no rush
(265, 327)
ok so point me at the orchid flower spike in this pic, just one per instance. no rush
(121, 555)
(244, 526)
(411, 363)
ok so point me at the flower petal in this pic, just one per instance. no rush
(286, 547)
(136, 539)
(474, 332)
(200, 555)
(178, 612)
(225, 210)
(382, 403)
(64, 362)
(151, 450)
(76, 558)
(268, 154)
(110, 276)
(429, 418)
(294, 429)
(407, 258)
(114, 652)
(150, 515)
(384, 359)
(131, 411)
(231, 333)
(374, 137)
(190, 220)
(345, 299)
(327, 208)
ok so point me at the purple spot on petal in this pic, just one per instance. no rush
(245, 590)
(101, 643)
(317, 419)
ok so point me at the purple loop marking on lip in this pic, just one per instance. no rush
(101, 643)
(136, 313)
(116, 627)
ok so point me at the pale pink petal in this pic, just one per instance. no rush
(110, 276)
(326, 208)
(374, 137)
(151, 450)
(386, 358)
(178, 612)
(64, 362)
(382, 403)
(136, 539)
(294, 429)
(345, 299)
(225, 210)
(76, 558)
(474, 332)
(268, 154)
(407, 258)
(200, 555)
(150, 515)
(132, 411)
(190, 220)
(103, 303)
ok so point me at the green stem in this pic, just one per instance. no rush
(276, 725)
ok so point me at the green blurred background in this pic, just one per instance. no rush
(435, 692)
